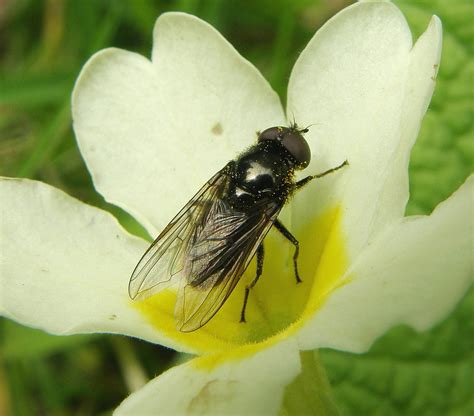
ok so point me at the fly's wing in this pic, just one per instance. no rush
(163, 263)
(221, 249)
(206, 248)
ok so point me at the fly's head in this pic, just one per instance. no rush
(291, 138)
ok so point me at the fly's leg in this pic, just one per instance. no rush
(260, 254)
(304, 181)
(284, 231)
(291, 238)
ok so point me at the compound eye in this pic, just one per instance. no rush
(298, 147)
(273, 133)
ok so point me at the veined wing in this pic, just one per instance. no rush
(206, 249)
(218, 255)
(162, 264)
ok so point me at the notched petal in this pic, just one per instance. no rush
(146, 127)
(65, 265)
(414, 273)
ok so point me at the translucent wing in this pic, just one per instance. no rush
(206, 248)
(163, 263)
(217, 260)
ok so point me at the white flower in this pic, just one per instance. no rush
(152, 132)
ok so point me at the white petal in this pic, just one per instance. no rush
(366, 89)
(424, 62)
(414, 273)
(252, 385)
(153, 133)
(65, 265)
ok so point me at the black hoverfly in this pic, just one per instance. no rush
(208, 245)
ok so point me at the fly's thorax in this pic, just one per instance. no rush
(264, 172)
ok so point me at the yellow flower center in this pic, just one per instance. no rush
(277, 305)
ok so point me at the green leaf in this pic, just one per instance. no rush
(408, 373)
(405, 372)
(443, 155)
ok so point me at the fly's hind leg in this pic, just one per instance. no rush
(260, 255)
(291, 238)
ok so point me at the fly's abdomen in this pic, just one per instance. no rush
(206, 262)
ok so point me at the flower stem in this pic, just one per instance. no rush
(310, 393)
(132, 371)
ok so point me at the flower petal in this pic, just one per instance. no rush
(250, 386)
(65, 265)
(366, 89)
(413, 273)
(153, 133)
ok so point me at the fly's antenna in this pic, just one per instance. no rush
(306, 129)
(293, 125)
(258, 134)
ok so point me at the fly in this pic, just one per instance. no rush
(209, 244)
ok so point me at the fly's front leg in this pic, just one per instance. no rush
(304, 181)
(290, 237)
(260, 255)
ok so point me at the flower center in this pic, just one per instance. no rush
(277, 305)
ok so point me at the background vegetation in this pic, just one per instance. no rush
(43, 45)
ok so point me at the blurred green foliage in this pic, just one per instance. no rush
(43, 45)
